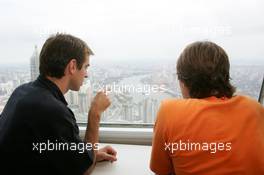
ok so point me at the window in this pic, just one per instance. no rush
(136, 45)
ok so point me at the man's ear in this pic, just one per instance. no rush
(72, 66)
(184, 90)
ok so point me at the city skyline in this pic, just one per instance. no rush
(127, 106)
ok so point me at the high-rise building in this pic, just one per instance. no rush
(72, 98)
(34, 64)
(83, 103)
(85, 97)
(149, 110)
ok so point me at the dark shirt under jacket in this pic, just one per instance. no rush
(37, 112)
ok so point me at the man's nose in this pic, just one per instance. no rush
(86, 74)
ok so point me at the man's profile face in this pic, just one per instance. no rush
(80, 75)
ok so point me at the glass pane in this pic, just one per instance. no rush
(136, 45)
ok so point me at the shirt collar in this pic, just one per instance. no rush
(52, 87)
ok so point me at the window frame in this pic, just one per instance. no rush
(133, 134)
(261, 93)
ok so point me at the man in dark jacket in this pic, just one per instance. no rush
(38, 132)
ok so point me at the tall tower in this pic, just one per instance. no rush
(34, 64)
(85, 97)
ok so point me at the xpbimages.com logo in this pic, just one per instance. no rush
(212, 147)
(63, 146)
(146, 89)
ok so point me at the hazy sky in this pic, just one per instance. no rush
(133, 29)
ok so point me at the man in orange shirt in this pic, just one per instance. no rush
(211, 130)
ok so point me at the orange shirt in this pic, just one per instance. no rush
(209, 136)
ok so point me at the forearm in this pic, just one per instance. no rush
(100, 103)
(92, 130)
(92, 133)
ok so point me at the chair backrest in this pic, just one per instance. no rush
(261, 94)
